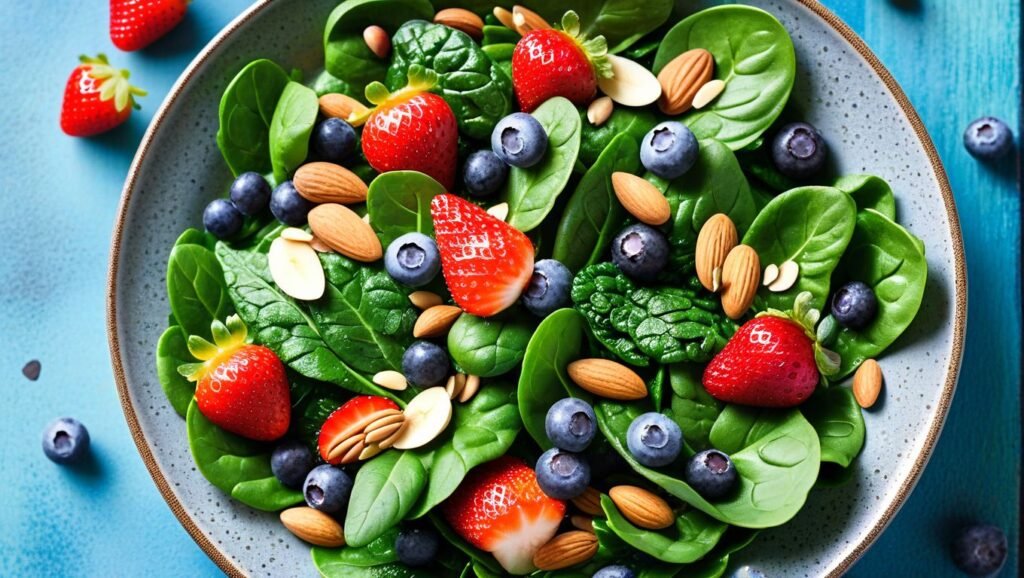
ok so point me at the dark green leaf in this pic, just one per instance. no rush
(386, 489)
(838, 419)
(196, 289)
(492, 346)
(246, 110)
(172, 351)
(691, 406)
(693, 536)
(483, 563)
(635, 122)
(398, 202)
(331, 561)
(869, 192)
(290, 129)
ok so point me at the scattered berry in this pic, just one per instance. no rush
(798, 151)
(291, 462)
(135, 24)
(654, 440)
(97, 98)
(417, 546)
(980, 550)
(250, 193)
(65, 440)
(288, 206)
(32, 369)
(355, 410)
(711, 474)
(571, 424)
(854, 305)
(563, 475)
(669, 150)
(615, 571)
(412, 259)
(425, 364)
(548, 289)
(222, 219)
(519, 140)
(327, 488)
(640, 251)
(484, 173)
(988, 138)
(334, 140)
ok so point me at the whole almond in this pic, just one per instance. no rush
(469, 390)
(589, 502)
(867, 383)
(642, 199)
(313, 526)
(504, 16)
(343, 106)
(527, 20)
(345, 232)
(436, 321)
(741, 276)
(377, 40)
(608, 379)
(461, 19)
(585, 523)
(717, 237)
(425, 299)
(599, 110)
(641, 507)
(320, 182)
(566, 550)
(682, 78)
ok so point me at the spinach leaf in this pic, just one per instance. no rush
(172, 351)
(557, 341)
(496, 34)
(290, 128)
(593, 215)
(327, 83)
(691, 406)
(754, 56)
(390, 570)
(246, 109)
(386, 489)
(478, 91)
(532, 192)
(484, 563)
(195, 289)
(192, 236)
(869, 192)
(492, 346)
(656, 387)
(635, 122)
(838, 419)
(891, 261)
(693, 536)
(398, 202)
(235, 465)
(377, 552)
(811, 226)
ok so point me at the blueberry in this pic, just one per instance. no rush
(640, 251)
(288, 206)
(988, 138)
(250, 193)
(334, 140)
(412, 259)
(615, 571)
(548, 289)
(798, 151)
(484, 173)
(748, 572)
(519, 140)
(711, 473)
(571, 424)
(562, 475)
(327, 489)
(291, 462)
(417, 546)
(669, 150)
(222, 218)
(65, 440)
(425, 364)
(980, 550)
(854, 305)
(654, 440)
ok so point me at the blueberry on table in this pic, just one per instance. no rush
(334, 140)
(327, 488)
(412, 259)
(798, 151)
(571, 424)
(519, 140)
(222, 219)
(548, 289)
(417, 546)
(654, 440)
(250, 193)
(65, 440)
(562, 475)
(425, 364)
(615, 571)
(711, 474)
(988, 138)
(640, 251)
(669, 150)
(288, 206)
(854, 305)
(291, 462)
(484, 173)
(980, 550)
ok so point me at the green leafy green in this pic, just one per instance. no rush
(398, 202)
(246, 109)
(492, 346)
(635, 122)
(390, 570)
(290, 129)
(195, 289)
(327, 83)
(172, 351)
(386, 489)
(869, 192)
(483, 563)
(691, 406)
(332, 561)
(693, 536)
(838, 419)
(495, 35)
(558, 340)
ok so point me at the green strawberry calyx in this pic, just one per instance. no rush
(595, 48)
(820, 334)
(228, 337)
(113, 82)
(421, 79)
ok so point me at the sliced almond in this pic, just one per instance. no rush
(319, 246)
(642, 199)
(424, 300)
(436, 321)
(342, 230)
(716, 279)
(741, 276)
(390, 379)
(589, 502)
(353, 454)
(320, 182)
(391, 439)
(472, 386)
(339, 452)
(454, 386)
(504, 16)
(642, 507)
(313, 526)
(607, 378)
(427, 415)
(585, 523)
(789, 271)
(382, 433)
(342, 441)
(771, 273)
(383, 422)
(366, 218)
(296, 234)
(708, 93)
(630, 84)
(296, 269)
(343, 106)
(461, 19)
(682, 77)
(867, 383)
(369, 451)
(499, 211)
(599, 110)
(564, 550)
(378, 41)
(716, 238)
(526, 20)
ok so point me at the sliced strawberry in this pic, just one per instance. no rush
(350, 418)
(486, 262)
(499, 508)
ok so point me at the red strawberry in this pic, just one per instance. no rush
(353, 416)
(486, 262)
(412, 129)
(135, 24)
(499, 508)
(242, 388)
(97, 98)
(549, 62)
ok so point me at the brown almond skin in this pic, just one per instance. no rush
(641, 507)
(717, 237)
(608, 379)
(566, 550)
(867, 383)
(343, 230)
(377, 40)
(504, 16)
(741, 277)
(682, 77)
(343, 106)
(589, 502)
(320, 182)
(436, 321)
(461, 19)
(527, 20)
(313, 526)
(641, 199)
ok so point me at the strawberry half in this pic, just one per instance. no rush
(353, 416)
(242, 388)
(500, 509)
(97, 98)
(486, 262)
(135, 24)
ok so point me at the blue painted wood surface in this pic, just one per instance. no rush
(956, 61)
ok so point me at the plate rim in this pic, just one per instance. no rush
(225, 563)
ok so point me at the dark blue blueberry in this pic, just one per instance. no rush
(250, 193)
(988, 138)
(334, 140)
(412, 259)
(425, 364)
(854, 305)
(484, 173)
(640, 251)
(711, 474)
(654, 440)
(548, 289)
(327, 488)
(980, 550)
(288, 206)
(65, 440)
(562, 475)
(417, 546)
(519, 140)
(748, 572)
(291, 462)
(669, 150)
(222, 219)
(615, 571)
(798, 151)
(571, 424)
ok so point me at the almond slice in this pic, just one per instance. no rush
(455, 385)
(296, 269)
(342, 230)
(338, 453)
(599, 110)
(390, 379)
(319, 246)
(353, 454)
(585, 523)
(589, 502)
(369, 451)
(631, 84)
(354, 429)
(789, 271)
(461, 19)
(771, 273)
(424, 300)
(470, 389)
(313, 526)
(427, 415)
(499, 211)
(641, 199)
(504, 16)
(708, 93)
(526, 20)
(436, 321)
(383, 422)
(296, 234)
(343, 106)
(382, 433)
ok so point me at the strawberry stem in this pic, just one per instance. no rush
(807, 317)
(227, 338)
(595, 48)
(113, 82)
(420, 80)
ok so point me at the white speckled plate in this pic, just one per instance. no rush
(844, 89)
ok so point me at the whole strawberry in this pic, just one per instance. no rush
(135, 24)
(548, 63)
(412, 129)
(241, 388)
(97, 98)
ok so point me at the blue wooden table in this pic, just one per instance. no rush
(956, 60)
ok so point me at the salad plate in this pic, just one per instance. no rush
(882, 211)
